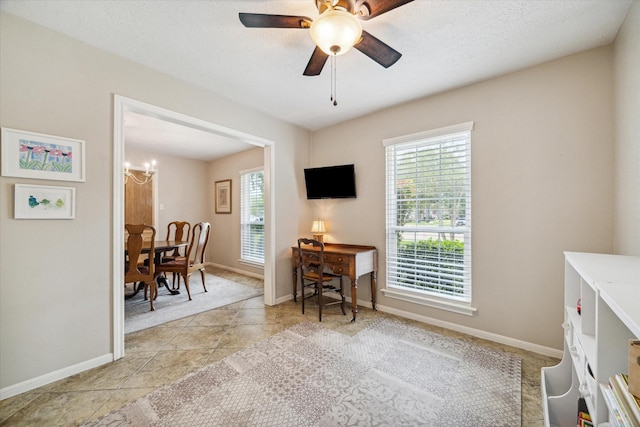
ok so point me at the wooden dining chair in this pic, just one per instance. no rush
(194, 259)
(176, 230)
(313, 276)
(139, 266)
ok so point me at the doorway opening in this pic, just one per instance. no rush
(123, 105)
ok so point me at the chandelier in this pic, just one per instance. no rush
(147, 176)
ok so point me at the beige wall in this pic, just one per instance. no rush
(183, 189)
(627, 140)
(56, 283)
(542, 168)
(225, 249)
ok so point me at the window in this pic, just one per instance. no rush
(252, 216)
(429, 216)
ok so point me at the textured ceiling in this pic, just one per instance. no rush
(445, 44)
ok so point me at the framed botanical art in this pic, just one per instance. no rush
(44, 202)
(39, 156)
(223, 196)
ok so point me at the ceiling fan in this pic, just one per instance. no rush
(336, 30)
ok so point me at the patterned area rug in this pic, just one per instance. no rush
(389, 374)
(169, 307)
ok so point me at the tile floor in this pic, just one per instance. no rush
(161, 355)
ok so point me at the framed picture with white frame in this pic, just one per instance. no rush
(35, 155)
(44, 202)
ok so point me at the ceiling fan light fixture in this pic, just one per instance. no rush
(336, 31)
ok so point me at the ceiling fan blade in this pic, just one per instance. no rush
(316, 62)
(378, 7)
(259, 20)
(379, 51)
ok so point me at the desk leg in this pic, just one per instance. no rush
(374, 288)
(295, 282)
(354, 297)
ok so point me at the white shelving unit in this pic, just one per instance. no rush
(595, 341)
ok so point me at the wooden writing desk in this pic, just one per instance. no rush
(347, 260)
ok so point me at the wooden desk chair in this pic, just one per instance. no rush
(313, 276)
(139, 266)
(194, 259)
(176, 230)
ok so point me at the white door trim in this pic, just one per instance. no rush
(122, 104)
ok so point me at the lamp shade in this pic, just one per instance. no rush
(335, 31)
(318, 226)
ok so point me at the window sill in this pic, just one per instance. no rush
(456, 307)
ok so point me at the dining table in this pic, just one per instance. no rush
(160, 248)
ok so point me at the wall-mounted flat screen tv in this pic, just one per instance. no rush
(331, 182)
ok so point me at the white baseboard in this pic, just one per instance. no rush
(45, 379)
(236, 270)
(285, 298)
(535, 348)
(524, 345)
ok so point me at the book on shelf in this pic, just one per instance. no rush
(626, 403)
(616, 419)
(584, 419)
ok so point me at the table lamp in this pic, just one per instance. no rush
(317, 229)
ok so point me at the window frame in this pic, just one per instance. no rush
(444, 300)
(247, 254)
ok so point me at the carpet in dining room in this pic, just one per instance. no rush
(223, 288)
(390, 373)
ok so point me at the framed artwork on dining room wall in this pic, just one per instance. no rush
(35, 155)
(44, 202)
(223, 196)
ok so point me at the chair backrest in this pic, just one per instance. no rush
(136, 256)
(178, 230)
(198, 245)
(311, 256)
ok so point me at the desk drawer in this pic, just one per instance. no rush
(335, 259)
(339, 264)
(342, 269)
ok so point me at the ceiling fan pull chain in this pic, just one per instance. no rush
(333, 58)
(334, 94)
(331, 79)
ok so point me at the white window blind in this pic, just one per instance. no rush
(429, 213)
(252, 216)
